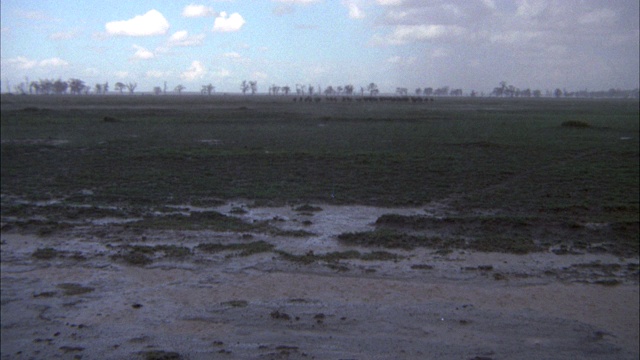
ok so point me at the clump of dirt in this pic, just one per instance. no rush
(71, 289)
(110, 119)
(575, 124)
(45, 253)
(308, 208)
(242, 249)
(161, 355)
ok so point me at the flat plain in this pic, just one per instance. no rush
(259, 227)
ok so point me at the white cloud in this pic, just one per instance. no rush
(197, 11)
(63, 35)
(222, 73)
(151, 23)
(403, 34)
(598, 16)
(182, 38)
(232, 55)
(389, 2)
(228, 23)
(53, 62)
(297, 1)
(399, 60)
(195, 71)
(260, 75)
(142, 53)
(23, 63)
(156, 74)
(121, 74)
(355, 12)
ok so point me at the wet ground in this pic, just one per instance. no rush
(103, 289)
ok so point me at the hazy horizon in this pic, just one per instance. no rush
(472, 45)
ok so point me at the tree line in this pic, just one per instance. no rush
(78, 87)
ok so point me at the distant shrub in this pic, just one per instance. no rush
(575, 124)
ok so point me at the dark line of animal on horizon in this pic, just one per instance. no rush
(396, 99)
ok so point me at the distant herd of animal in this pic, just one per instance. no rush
(408, 99)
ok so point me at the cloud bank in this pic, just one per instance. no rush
(149, 24)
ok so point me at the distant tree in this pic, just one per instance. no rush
(98, 89)
(207, 89)
(120, 86)
(157, 90)
(428, 91)
(179, 89)
(254, 87)
(557, 93)
(537, 93)
(372, 88)
(244, 86)
(286, 89)
(131, 87)
(60, 87)
(418, 92)
(402, 91)
(456, 92)
(105, 87)
(443, 91)
(473, 93)
(311, 89)
(526, 93)
(329, 91)
(21, 89)
(348, 89)
(339, 90)
(34, 86)
(76, 86)
(164, 91)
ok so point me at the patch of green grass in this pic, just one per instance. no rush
(336, 256)
(308, 208)
(242, 249)
(508, 154)
(71, 289)
(211, 220)
(161, 355)
(170, 251)
(236, 303)
(504, 244)
(45, 253)
(575, 124)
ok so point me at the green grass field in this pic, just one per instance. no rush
(512, 156)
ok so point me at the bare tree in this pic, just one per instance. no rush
(254, 87)
(244, 86)
(76, 86)
(120, 86)
(34, 86)
(348, 89)
(207, 89)
(105, 87)
(286, 89)
(131, 87)
(179, 89)
(60, 87)
(98, 89)
(329, 91)
(372, 88)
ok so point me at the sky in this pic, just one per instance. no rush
(467, 44)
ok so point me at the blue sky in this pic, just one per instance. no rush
(468, 44)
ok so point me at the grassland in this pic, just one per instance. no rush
(511, 156)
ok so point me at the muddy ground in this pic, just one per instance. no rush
(290, 288)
